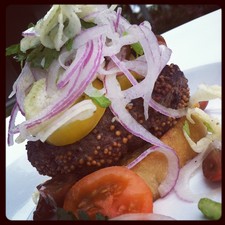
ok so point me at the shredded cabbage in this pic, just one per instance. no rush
(205, 93)
(71, 74)
(85, 10)
(36, 100)
(212, 124)
(61, 23)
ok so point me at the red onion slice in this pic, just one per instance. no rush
(29, 32)
(142, 216)
(175, 113)
(66, 58)
(173, 168)
(138, 65)
(116, 24)
(82, 54)
(124, 70)
(71, 92)
(38, 73)
(91, 46)
(182, 188)
(51, 79)
(90, 34)
(12, 120)
(118, 104)
(23, 82)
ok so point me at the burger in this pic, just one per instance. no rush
(96, 92)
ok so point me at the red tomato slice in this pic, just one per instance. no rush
(111, 191)
(203, 104)
(161, 40)
(212, 166)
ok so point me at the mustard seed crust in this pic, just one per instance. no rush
(110, 141)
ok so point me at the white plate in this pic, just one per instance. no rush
(22, 178)
(197, 42)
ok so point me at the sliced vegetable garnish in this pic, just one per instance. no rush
(13, 49)
(182, 187)
(203, 104)
(137, 48)
(209, 128)
(212, 124)
(12, 120)
(89, 49)
(111, 191)
(211, 209)
(17, 53)
(212, 166)
(205, 93)
(87, 25)
(186, 128)
(69, 44)
(102, 101)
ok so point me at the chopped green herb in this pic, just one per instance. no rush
(87, 25)
(69, 44)
(34, 56)
(186, 127)
(102, 101)
(99, 216)
(49, 55)
(82, 215)
(62, 214)
(124, 33)
(42, 57)
(13, 49)
(209, 128)
(19, 56)
(137, 48)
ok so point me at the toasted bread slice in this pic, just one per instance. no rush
(153, 168)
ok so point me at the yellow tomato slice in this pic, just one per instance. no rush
(76, 130)
(125, 83)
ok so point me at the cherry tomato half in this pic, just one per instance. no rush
(203, 104)
(212, 166)
(111, 191)
(161, 40)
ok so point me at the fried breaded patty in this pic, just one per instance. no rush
(110, 141)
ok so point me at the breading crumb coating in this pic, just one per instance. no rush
(109, 141)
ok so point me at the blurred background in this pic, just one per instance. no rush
(162, 18)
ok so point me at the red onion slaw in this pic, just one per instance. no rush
(90, 48)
